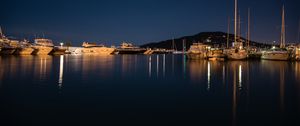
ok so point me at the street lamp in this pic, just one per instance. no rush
(61, 44)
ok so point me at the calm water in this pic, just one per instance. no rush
(147, 90)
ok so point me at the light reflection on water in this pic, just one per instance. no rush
(237, 90)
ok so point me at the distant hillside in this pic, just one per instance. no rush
(216, 39)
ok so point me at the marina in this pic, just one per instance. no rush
(153, 62)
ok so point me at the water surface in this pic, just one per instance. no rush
(147, 90)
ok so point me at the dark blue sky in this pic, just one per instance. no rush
(142, 21)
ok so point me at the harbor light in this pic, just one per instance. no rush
(273, 47)
(61, 44)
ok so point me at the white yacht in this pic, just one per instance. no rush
(278, 53)
(275, 54)
(42, 46)
(93, 48)
(129, 48)
(197, 51)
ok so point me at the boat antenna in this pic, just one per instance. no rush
(282, 38)
(228, 30)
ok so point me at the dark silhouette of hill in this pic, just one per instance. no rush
(215, 39)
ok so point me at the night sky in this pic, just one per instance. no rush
(142, 21)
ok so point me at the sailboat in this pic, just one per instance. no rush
(42, 46)
(237, 52)
(276, 53)
(174, 50)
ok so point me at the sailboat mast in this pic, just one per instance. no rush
(282, 41)
(235, 23)
(239, 26)
(183, 45)
(228, 30)
(299, 32)
(248, 35)
(173, 46)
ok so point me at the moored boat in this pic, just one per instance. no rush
(129, 48)
(197, 51)
(237, 52)
(216, 54)
(7, 45)
(42, 46)
(275, 54)
(24, 48)
(58, 51)
(93, 48)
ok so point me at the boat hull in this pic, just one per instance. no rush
(196, 56)
(58, 51)
(24, 51)
(42, 50)
(275, 56)
(95, 50)
(131, 51)
(7, 51)
(237, 56)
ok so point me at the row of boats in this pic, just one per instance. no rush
(238, 52)
(24, 47)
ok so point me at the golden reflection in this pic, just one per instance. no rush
(234, 98)
(102, 64)
(43, 66)
(239, 69)
(240, 76)
(297, 79)
(239, 66)
(1, 71)
(297, 71)
(61, 71)
(197, 69)
(26, 64)
(13, 63)
(277, 67)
